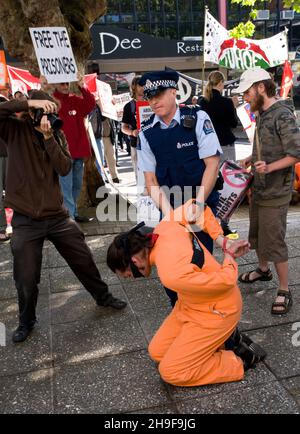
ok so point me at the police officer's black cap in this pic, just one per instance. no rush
(157, 81)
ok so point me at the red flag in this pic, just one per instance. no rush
(287, 80)
(21, 80)
(90, 82)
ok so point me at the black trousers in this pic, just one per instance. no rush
(27, 247)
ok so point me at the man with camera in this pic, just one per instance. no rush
(37, 155)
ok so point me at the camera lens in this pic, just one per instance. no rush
(55, 122)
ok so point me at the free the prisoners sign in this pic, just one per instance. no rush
(54, 54)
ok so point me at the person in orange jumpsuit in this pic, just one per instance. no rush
(198, 343)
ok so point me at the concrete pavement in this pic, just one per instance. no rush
(86, 359)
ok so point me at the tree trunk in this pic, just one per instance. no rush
(16, 16)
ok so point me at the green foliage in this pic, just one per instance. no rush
(243, 30)
(247, 30)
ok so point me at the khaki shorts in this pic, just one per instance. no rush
(267, 232)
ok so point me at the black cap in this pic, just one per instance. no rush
(156, 81)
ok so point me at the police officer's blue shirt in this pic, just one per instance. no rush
(208, 143)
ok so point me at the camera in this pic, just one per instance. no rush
(55, 122)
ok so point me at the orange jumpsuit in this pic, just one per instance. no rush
(297, 177)
(189, 345)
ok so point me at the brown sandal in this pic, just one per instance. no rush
(263, 275)
(285, 305)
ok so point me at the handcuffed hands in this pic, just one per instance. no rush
(237, 248)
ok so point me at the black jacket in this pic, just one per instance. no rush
(223, 115)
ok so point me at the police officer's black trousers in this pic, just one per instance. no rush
(27, 246)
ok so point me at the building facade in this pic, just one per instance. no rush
(138, 34)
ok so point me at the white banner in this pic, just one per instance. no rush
(106, 102)
(54, 54)
(247, 119)
(222, 49)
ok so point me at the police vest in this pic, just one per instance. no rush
(176, 153)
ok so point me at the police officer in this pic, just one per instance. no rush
(178, 147)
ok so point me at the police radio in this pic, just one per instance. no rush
(189, 122)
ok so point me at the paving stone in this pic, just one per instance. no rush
(73, 306)
(63, 279)
(253, 378)
(35, 352)
(124, 383)
(145, 293)
(270, 398)
(99, 246)
(293, 387)
(95, 339)
(27, 393)
(294, 271)
(5, 258)
(283, 357)
(8, 289)
(151, 319)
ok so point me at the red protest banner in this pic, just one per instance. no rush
(287, 80)
(21, 80)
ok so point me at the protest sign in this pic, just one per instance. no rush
(119, 101)
(236, 183)
(90, 81)
(247, 119)
(3, 71)
(143, 112)
(54, 54)
(107, 106)
(21, 80)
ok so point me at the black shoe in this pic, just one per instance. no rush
(22, 332)
(113, 302)
(116, 180)
(236, 339)
(250, 354)
(83, 219)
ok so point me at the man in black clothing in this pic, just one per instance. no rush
(37, 155)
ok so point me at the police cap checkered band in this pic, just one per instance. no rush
(154, 82)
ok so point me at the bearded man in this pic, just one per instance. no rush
(276, 149)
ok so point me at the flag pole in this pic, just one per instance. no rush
(204, 39)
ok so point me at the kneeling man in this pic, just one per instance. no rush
(198, 343)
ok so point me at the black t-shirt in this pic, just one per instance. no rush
(129, 117)
(222, 113)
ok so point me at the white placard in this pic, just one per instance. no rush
(107, 106)
(120, 101)
(54, 54)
